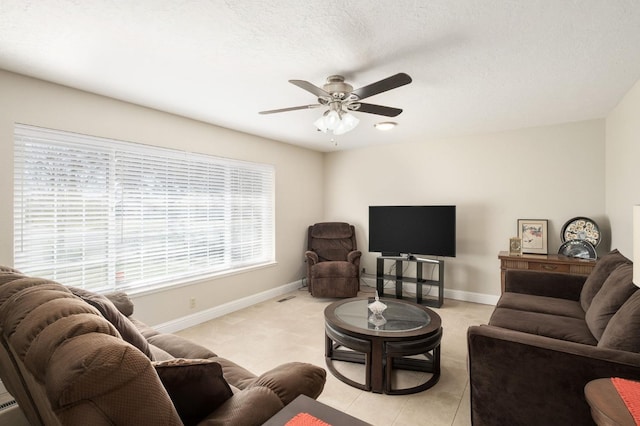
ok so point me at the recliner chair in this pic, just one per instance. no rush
(333, 260)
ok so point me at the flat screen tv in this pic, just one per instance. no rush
(413, 230)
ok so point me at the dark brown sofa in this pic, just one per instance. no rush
(549, 335)
(71, 357)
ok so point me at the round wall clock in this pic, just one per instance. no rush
(581, 228)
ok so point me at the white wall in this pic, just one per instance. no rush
(553, 173)
(298, 179)
(623, 168)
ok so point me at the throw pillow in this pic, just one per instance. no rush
(196, 387)
(617, 288)
(108, 310)
(604, 267)
(622, 331)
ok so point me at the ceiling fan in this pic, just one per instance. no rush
(340, 97)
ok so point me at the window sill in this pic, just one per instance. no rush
(170, 285)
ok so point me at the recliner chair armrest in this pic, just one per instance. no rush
(516, 377)
(311, 256)
(354, 257)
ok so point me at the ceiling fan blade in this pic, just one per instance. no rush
(310, 88)
(388, 83)
(376, 109)
(273, 111)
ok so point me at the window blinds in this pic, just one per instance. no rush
(104, 215)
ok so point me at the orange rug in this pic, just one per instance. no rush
(629, 391)
(306, 419)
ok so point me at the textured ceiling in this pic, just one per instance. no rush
(477, 66)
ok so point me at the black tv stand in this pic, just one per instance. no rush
(418, 279)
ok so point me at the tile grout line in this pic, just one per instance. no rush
(455, 416)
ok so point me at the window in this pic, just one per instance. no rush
(105, 215)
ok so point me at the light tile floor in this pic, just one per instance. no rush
(270, 333)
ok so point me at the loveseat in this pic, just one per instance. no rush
(72, 357)
(549, 335)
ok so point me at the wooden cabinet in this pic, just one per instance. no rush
(544, 263)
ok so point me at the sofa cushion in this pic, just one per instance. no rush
(617, 288)
(336, 269)
(159, 354)
(97, 379)
(235, 375)
(622, 331)
(108, 310)
(9, 269)
(554, 326)
(179, 347)
(143, 328)
(604, 267)
(57, 331)
(331, 230)
(121, 301)
(195, 386)
(541, 304)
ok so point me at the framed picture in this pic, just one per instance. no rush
(533, 233)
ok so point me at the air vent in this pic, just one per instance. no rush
(8, 404)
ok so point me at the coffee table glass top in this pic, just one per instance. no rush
(397, 317)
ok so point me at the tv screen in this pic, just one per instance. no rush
(421, 230)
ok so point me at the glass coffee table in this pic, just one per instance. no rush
(406, 336)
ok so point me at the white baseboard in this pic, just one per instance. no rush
(468, 296)
(226, 308)
(218, 311)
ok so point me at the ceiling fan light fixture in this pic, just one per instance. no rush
(338, 122)
(321, 124)
(347, 123)
(332, 119)
(385, 125)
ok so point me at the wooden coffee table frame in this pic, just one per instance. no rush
(382, 351)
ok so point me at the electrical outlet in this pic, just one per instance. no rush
(363, 271)
(192, 302)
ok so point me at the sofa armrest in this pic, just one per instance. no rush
(236, 376)
(292, 379)
(516, 377)
(249, 407)
(287, 380)
(550, 284)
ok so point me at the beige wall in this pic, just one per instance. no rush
(622, 168)
(553, 173)
(298, 179)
